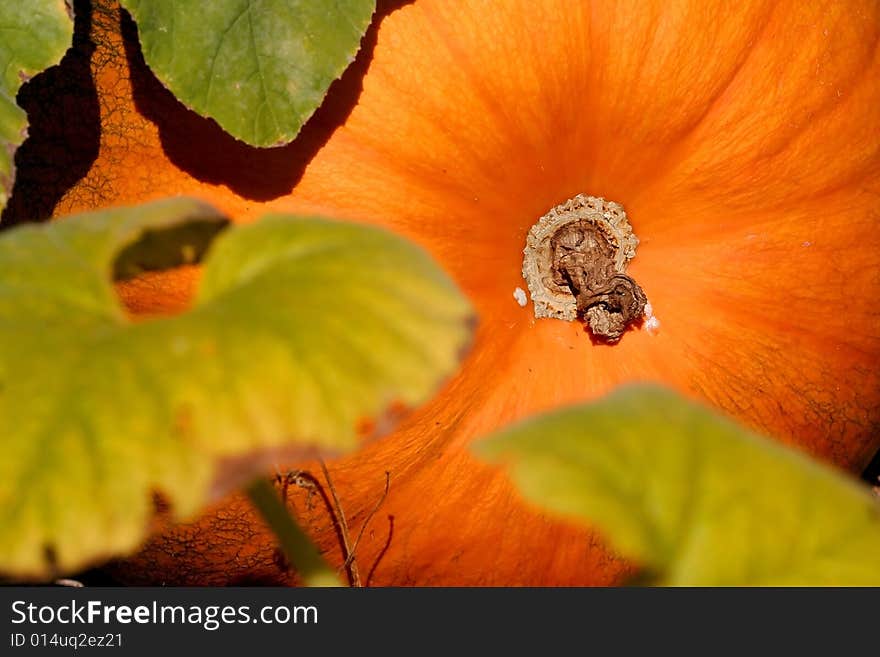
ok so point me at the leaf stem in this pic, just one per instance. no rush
(299, 549)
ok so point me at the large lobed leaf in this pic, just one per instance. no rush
(692, 497)
(34, 35)
(260, 68)
(303, 328)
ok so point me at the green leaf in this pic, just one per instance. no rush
(303, 328)
(34, 35)
(260, 68)
(692, 497)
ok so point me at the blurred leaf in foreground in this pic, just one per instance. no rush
(34, 35)
(260, 69)
(693, 498)
(303, 330)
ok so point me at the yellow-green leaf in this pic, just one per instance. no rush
(692, 497)
(303, 328)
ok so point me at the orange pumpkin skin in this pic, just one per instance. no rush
(744, 142)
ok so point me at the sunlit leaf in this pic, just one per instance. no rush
(260, 68)
(34, 35)
(692, 497)
(303, 331)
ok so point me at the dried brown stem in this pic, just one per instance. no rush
(369, 517)
(583, 259)
(349, 564)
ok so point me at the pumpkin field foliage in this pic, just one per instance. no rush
(259, 69)
(101, 412)
(693, 498)
(35, 36)
(329, 274)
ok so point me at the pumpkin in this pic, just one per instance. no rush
(743, 141)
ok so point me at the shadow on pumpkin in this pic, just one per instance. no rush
(872, 472)
(199, 146)
(64, 128)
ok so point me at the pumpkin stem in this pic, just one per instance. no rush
(574, 264)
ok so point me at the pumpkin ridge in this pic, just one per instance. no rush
(684, 147)
(489, 102)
